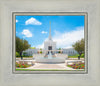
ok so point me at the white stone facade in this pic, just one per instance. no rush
(69, 51)
(48, 44)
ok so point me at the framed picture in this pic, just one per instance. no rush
(37, 22)
(50, 42)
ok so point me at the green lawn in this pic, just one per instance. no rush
(39, 70)
(26, 57)
(75, 56)
(45, 70)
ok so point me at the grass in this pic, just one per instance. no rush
(39, 70)
(44, 70)
(26, 57)
(74, 56)
(69, 66)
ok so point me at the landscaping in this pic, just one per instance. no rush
(25, 57)
(22, 65)
(77, 66)
(76, 56)
(44, 70)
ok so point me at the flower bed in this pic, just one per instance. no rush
(22, 65)
(77, 66)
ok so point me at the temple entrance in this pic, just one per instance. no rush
(49, 47)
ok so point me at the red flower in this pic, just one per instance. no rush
(24, 65)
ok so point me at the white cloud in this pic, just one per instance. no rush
(44, 32)
(32, 21)
(27, 33)
(41, 45)
(16, 21)
(65, 40)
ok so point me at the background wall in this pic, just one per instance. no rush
(7, 78)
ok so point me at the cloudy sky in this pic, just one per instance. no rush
(65, 30)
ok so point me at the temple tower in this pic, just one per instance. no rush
(50, 38)
(49, 44)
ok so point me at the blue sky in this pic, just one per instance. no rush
(65, 30)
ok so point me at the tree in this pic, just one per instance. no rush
(79, 46)
(17, 54)
(59, 50)
(41, 50)
(21, 45)
(25, 54)
(32, 47)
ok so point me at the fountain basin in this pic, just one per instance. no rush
(50, 60)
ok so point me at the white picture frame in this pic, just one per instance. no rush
(6, 73)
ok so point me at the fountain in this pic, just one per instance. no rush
(49, 55)
(50, 46)
(49, 59)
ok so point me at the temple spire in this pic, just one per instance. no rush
(50, 38)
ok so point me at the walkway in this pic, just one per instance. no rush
(60, 66)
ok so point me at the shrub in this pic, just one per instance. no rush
(82, 55)
(59, 51)
(77, 66)
(22, 65)
(17, 54)
(77, 55)
(41, 52)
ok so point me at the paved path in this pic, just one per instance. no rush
(49, 66)
(52, 66)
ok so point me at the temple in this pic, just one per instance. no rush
(50, 44)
